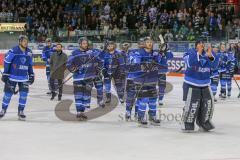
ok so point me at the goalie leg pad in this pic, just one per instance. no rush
(192, 104)
(206, 110)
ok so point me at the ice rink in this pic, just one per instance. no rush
(43, 136)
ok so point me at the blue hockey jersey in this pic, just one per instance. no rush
(88, 63)
(137, 62)
(227, 62)
(18, 64)
(46, 54)
(222, 61)
(113, 62)
(198, 68)
(164, 62)
(215, 71)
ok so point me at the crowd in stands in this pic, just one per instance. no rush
(178, 20)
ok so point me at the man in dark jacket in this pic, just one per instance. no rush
(57, 67)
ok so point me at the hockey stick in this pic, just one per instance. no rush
(64, 82)
(9, 87)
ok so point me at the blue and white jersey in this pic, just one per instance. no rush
(18, 64)
(46, 54)
(87, 62)
(198, 68)
(231, 62)
(227, 62)
(215, 71)
(164, 62)
(222, 61)
(138, 60)
(113, 62)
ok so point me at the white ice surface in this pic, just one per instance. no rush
(44, 137)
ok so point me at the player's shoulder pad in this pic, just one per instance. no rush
(134, 53)
(96, 51)
(45, 48)
(76, 52)
(29, 52)
(190, 51)
(155, 53)
(14, 50)
(118, 52)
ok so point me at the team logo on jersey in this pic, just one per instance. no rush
(203, 62)
(23, 60)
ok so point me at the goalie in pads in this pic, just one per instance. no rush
(196, 91)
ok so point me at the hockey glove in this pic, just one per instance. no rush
(31, 79)
(5, 77)
(73, 69)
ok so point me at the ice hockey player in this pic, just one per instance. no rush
(227, 65)
(114, 68)
(85, 66)
(214, 72)
(196, 91)
(143, 64)
(46, 54)
(98, 81)
(162, 73)
(130, 86)
(18, 70)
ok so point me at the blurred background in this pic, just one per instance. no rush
(181, 22)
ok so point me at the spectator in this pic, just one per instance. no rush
(191, 35)
(57, 67)
(50, 16)
(168, 36)
(164, 19)
(228, 28)
(107, 9)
